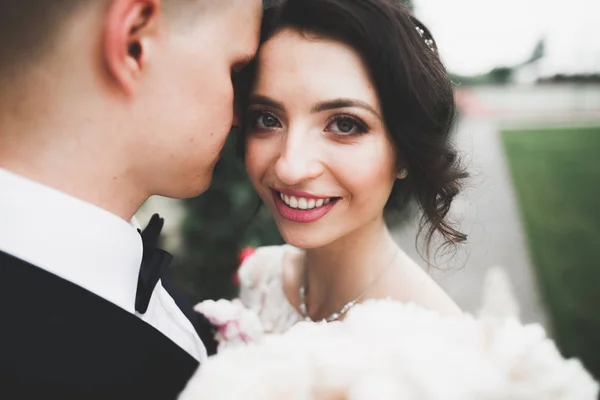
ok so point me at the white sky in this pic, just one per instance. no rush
(476, 35)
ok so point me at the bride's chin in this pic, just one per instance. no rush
(302, 240)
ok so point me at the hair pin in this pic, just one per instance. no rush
(429, 42)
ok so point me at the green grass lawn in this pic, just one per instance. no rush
(556, 175)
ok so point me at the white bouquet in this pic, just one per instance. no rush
(389, 350)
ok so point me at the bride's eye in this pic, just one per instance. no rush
(264, 120)
(345, 125)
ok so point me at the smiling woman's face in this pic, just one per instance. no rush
(317, 150)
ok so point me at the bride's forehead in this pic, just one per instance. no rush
(290, 46)
(292, 66)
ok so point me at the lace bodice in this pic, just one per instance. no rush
(261, 288)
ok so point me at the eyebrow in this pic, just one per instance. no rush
(344, 103)
(320, 107)
(266, 101)
(243, 62)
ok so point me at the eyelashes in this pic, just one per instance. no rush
(347, 125)
(263, 120)
(341, 125)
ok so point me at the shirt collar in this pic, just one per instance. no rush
(70, 238)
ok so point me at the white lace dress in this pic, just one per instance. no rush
(261, 308)
(261, 288)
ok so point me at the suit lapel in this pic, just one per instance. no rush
(60, 339)
(205, 330)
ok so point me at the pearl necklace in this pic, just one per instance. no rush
(337, 315)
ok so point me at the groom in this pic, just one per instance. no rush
(104, 103)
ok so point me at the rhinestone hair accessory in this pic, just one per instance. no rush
(428, 41)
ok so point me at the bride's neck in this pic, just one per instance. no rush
(339, 271)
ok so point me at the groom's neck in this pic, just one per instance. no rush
(76, 152)
(106, 188)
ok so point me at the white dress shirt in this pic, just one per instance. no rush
(87, 246)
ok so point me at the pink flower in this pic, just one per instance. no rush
(236, 324)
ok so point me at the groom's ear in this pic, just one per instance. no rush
(129, 35)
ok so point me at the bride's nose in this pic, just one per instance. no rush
(298, 159)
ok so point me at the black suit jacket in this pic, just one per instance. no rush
(60, 341)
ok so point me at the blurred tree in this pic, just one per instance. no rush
(539, 51)
(218, 224)
(576, 78)
(500, 75)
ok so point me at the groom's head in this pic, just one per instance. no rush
(149, 81)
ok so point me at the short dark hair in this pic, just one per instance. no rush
(28, 28)
(414, 88)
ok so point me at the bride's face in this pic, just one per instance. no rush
(317, 149)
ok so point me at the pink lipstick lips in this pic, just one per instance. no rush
(302, 207)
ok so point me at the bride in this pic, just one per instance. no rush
(347, 113)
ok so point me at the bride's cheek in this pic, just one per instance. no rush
(256, 160)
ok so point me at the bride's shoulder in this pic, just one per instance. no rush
(413, 284)
(266, 265)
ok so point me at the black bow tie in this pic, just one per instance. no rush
(154, 262)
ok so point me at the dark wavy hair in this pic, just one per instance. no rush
(414, 88)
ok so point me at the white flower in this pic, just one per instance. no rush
(236, 324)
(389, 350)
